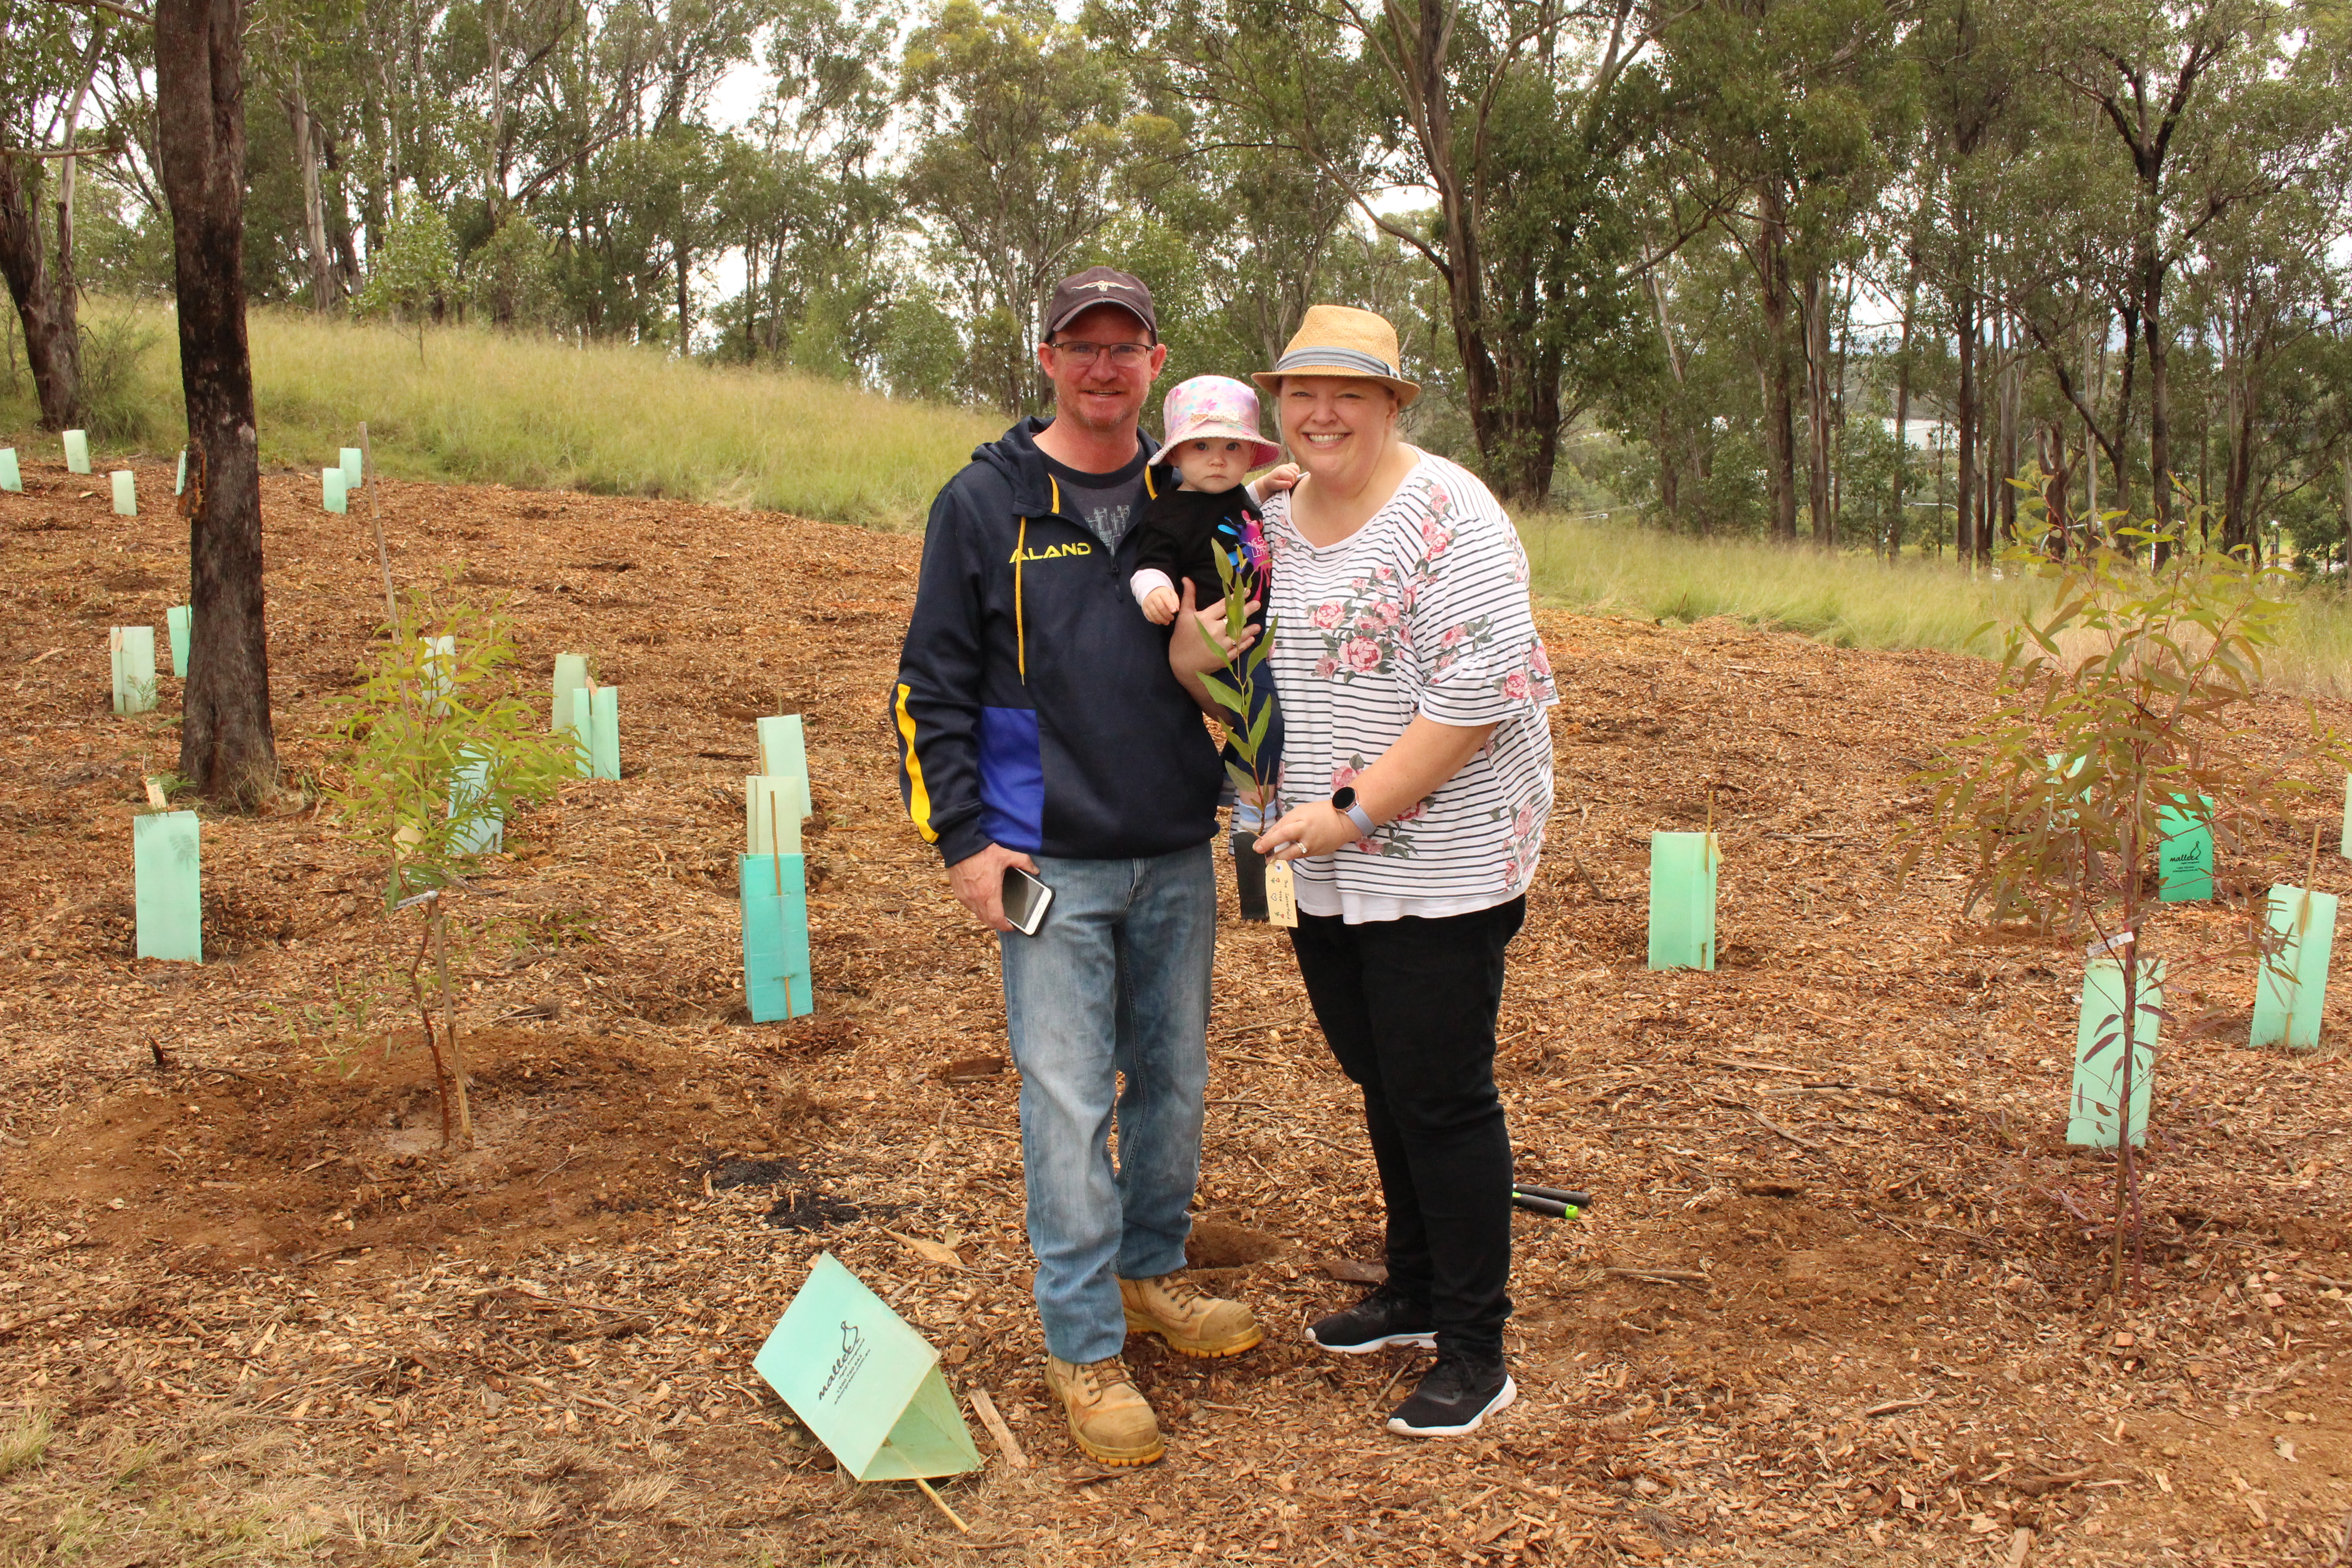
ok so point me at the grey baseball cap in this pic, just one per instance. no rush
(1082, 292)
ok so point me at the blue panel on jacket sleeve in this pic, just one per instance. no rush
(1012, 779)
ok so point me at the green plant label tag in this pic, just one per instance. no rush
(773, 807)
(11, 478)
(478, 829)
(2291, 986)
(571, 675)
(777, 981)
(2184, 853)
(77, 451)
(864, 1382)
(131, 651)
(2099, 1053)
(352, 475)
(605, 732)
(125, 485)
(1683, 871)
(180, 484)
(177, 622)
(338, 494)
(783, 752)
(166, 863)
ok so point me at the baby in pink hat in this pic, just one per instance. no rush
(1212, 444)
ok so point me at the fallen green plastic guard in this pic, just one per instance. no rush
(864, 1382)
(777, 981)
(2098, 1053)
(783, 752)
(77, 451)
(338, 497)
(1683, 872)
(571, 675)
(2184, 854)
(176, 624)
(167, 872)
(11, 478)
(125, 485)
(2291, 988)
(131, 651)
(773, 804)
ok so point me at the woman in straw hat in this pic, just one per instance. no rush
(1413, 685)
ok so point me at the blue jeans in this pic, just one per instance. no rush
(1115, 983)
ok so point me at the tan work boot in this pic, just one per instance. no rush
(1112, 1422)
(1190, 1321)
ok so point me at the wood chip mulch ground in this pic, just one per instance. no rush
(1837, 1300)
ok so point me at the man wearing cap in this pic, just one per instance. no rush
(1040, 727)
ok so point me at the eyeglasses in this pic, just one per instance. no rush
(1125, 356)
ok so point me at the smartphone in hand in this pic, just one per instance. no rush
(1026, 900)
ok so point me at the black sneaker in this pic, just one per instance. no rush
(1456, 1397)
(1385, 1317)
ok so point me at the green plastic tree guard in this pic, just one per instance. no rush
(77, 451)
(2347, 845)
(772, 805)
(571, 675)
(582, 726)
(2291, 986)
(177, 622)
(338, 497)
(125, 485)
(1683, 871)
(166, 859)
(11, 478)
(2184, 853)
(180, 485)
(2099, 1053)
(479, 830)
(440, 671)
(783, 752)
(605, 732)
(864, 1382)
(352, 475)
(131, 651)
(776, 977)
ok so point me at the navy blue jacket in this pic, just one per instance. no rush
(1034, 703)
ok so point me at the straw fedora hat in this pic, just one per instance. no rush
(1339, 340)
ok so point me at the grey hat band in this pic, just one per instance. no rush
(1337, 358)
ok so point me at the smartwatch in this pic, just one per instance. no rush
(1343, 801)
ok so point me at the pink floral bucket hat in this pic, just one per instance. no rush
(1217, 409)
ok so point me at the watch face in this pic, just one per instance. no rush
(1343, 797)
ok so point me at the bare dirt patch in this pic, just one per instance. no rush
(1833, 1303)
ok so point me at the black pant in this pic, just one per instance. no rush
(1409, 1007)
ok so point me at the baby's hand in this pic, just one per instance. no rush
(1159, 606)
(1273, 482)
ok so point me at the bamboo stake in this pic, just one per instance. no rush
(943, 1507)
(375, 520)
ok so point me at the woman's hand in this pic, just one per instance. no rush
(1316, 828)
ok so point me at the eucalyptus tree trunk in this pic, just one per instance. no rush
(324, 295)
(45, 310)
(1780, 400)
(1903, 410)
(227, 749)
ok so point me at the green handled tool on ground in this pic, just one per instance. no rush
(1557, 1202)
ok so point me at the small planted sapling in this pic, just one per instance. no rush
(2121, 714)
(1244, 689)
(437, 747)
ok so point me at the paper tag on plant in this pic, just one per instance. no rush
(1281, 895)
(2101, 949)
